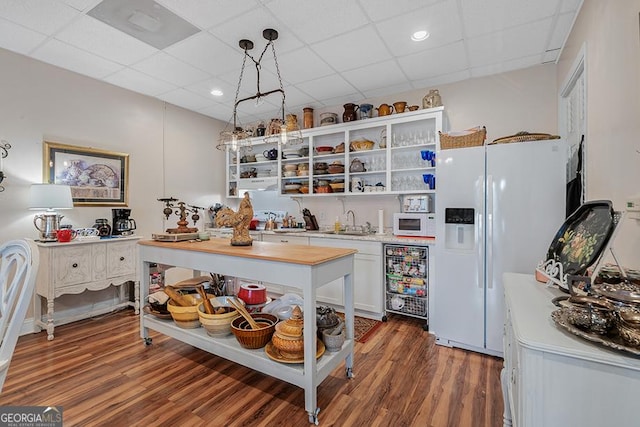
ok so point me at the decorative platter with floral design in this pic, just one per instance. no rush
(584, 235)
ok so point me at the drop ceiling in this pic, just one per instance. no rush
(329, 51)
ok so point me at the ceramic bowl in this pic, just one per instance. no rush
(290, 174)
(324, 150)
(218, 325)
(290, 167)
(332, 342)
(186, 317)
(254, 338)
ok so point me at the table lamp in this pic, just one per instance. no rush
(49, 197)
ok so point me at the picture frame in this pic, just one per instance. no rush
(97, 177)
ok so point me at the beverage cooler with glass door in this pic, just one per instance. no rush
(407, 280)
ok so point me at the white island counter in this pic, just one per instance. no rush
(303, 267)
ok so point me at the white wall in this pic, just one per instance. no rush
(609, 31)
(172, 151)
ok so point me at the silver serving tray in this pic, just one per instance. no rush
(612, 341)
(623, 291)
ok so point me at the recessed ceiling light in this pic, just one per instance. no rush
(216, 92)
(418, 36)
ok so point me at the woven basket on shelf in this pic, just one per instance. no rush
(472, 139)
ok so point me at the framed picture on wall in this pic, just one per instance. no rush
(97, 177)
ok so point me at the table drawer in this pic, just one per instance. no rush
(121, 259)
(72, 265)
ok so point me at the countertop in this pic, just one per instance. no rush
(293, 254)
(382, 238)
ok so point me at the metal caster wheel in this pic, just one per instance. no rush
(384, 318)
(349, 372)
(313, 417)
(147, 341)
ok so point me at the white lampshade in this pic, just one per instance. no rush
(50, 196)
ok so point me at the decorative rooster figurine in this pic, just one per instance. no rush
(240, 221)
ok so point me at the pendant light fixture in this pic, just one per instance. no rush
(279, 131)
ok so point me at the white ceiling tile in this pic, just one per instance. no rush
(502, 67)
(204, 88)
(204, 51)
(103, 40)
(434, 62)
(218, 111)
(443, 79)
(373, 76)
(550, 56)
(250, 26)
(139, 82)
(318, 20)
(17, 38)
(570, 5)
(326, 87)
(44, 16)
(512, 43)
(82, 5)
(560, 31)
(207, 13)
(294, 97)
(381, 10)
(186, 99)
(167, 68)
(487, 16)
(66, 56)
(301, 65)
(440, 20)
(353, 49)
(387, 90)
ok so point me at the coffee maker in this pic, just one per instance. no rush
(122, 224)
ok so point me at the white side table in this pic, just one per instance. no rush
(80, 265)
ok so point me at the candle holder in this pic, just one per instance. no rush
(181, 209)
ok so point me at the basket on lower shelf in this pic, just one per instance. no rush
(470, 138)
(416, 306)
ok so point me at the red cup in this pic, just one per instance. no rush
(65, 235)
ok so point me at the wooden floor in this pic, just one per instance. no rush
(101, 373)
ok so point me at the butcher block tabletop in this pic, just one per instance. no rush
(295, 254)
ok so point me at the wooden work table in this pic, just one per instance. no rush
(304, 267)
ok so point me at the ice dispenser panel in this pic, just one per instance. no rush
(459, 228)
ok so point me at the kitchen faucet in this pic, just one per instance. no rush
(353, 222)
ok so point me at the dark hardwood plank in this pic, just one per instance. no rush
(102, 374)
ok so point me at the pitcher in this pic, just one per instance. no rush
(366, 111)
(349, 114)
(399, 106)
(384, 110)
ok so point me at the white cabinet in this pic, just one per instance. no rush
(367, 272)
(78, 266)
(395, 164)
(553, 378)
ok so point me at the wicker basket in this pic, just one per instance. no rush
(472, 139)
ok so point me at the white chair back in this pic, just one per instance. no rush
(18, 270)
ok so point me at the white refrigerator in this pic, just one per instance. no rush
(498, 208)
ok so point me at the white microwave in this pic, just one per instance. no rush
(417, 224)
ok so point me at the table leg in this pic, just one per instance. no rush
(50, 325)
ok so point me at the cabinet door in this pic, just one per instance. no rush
(368, 283)
(121, 258)
(71, 265)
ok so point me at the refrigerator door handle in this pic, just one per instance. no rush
(480, 235)
(489, 241)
